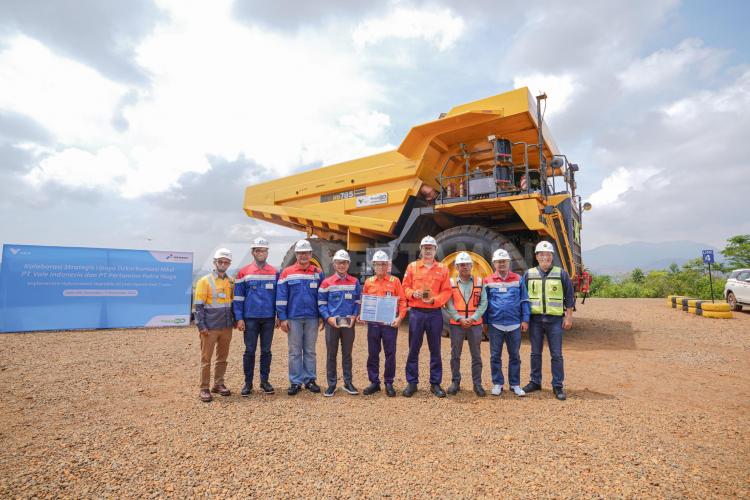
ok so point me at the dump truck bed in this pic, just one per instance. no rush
(364, 199)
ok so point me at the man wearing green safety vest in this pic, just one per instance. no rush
(552, 300)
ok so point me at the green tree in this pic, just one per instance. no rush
(737, 251)
(637, 276)
(690, 280)
(599, 282)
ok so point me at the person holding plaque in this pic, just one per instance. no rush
(427, 286)
(465, 309)
(338, 304)
(382, 285)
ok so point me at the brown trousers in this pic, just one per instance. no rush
(219, 339)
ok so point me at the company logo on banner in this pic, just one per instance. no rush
(58, 288)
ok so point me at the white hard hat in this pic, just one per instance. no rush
(303, 246)
(544, 246)
(380, 256)
(500, 254)
(463, 258)
(342, 255)
(259, 243)
(428, 240)
(223, 253)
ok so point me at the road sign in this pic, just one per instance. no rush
(708, 258)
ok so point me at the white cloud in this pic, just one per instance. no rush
(583, 36)
(366, 124)
(559, 89)
(218, 88)
(693, 186)
(667, 65)
(280, 99)
(74, 167)
(623, 180)
(440, 27)
(733, 99)
(70, 99)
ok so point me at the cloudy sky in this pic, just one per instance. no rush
(137, 124)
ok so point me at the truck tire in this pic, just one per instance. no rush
(481, 241)
(322, 255)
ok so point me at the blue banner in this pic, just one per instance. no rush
(59, 288)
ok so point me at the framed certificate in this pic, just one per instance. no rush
(377, 309)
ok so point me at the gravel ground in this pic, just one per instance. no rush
(658, 406)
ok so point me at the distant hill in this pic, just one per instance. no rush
(614, 259)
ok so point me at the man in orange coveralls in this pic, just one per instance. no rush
(383, 284)
(427, 286)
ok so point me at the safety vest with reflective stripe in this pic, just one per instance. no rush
(213, 304)
(546, 292)
(459, 302)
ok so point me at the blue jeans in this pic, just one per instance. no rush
(303, 333)
(513, 341)
(554, 332)
(256, 328)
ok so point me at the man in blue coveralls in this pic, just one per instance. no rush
(255, 311)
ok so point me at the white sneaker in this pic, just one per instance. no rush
(517, 389)
(497, 390)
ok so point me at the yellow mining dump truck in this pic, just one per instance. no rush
(483, 176)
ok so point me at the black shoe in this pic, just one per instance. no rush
(371, 389)
(437, 390)
(410, 390)
(246, 390)
(531, 387)
(329, 392)
(479, 390)
(294, 389)
(560, 393)
(348, 387)
(453, 388)
(390, 390)
(266, 387)
(312, 387)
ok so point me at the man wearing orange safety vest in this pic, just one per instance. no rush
(465, 308)
(427, 286)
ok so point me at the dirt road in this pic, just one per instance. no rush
(659, 405)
